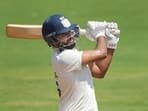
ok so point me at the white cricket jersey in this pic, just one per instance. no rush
(74, 81)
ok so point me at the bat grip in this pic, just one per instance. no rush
(82, 31)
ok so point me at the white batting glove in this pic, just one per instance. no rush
(95, 29)
(112, 33)
(112, 42)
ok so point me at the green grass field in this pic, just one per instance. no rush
(26, 78)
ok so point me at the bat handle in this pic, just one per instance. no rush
(82, 31)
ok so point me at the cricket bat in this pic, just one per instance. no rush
(21, 31)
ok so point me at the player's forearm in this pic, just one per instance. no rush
(104, 64)
(100, 52)
(101, 44)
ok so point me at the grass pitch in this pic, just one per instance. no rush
(26, 78)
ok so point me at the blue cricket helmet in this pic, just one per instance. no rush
(55, 25)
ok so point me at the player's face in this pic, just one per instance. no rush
(66, 38)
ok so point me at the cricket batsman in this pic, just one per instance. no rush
(75, 69)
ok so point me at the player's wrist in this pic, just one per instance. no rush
(100, 34)
(110, 51)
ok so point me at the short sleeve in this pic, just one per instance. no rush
(70, 60)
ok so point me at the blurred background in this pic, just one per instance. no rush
(26, 78)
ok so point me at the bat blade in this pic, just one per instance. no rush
(24, 31)
(27, 31)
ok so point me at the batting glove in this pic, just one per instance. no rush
(95, 29)
(112, 33)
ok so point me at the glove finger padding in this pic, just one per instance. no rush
(112, 25)
(96, 25)
(95, 29)
(112, 33)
